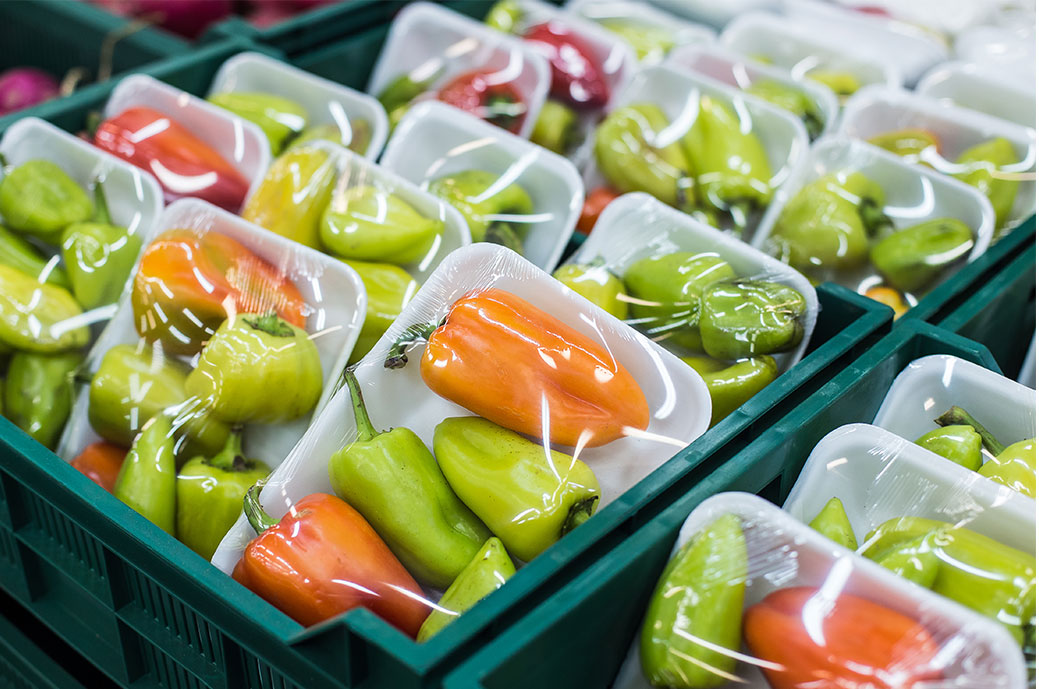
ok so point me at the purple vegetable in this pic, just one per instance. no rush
(23, 87)
(188, 18)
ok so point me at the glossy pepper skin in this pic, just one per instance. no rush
(699, 597)
(294, 194)
(487, 572)
(355, 134)
(730, 385)
(529, 495)
(913, 145)
(37, 317)
(186, 280)
(912, 258)
(577, 76)
(278, 118)
(484, 94)
(597, 284)
(183, 164)
(134, 383)
(494, 217)
(980, 167)
(17, 253)
(960, 444)
(147, 481)
(251, 356)
(210, 491)
(396, 98)
(504, 15)
(38, 198)
(744, 318)
(550, 364)
(595, 203)
(793, 100)
(810, 638)
(1012, 466)
(38, 393)
(101, 462)
(389, 290)
(323, 559)
(651, 43)
(889, 297)
(99, 256)
(632, 155)
(844, 84)
(365, 223)
(557, 127)
(396, 484)
(832, 522)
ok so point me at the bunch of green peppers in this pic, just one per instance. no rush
(60, 255)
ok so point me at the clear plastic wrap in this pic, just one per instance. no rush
(714, 13)
(227, 335)
(509, 191)
(433, 53)
(860, 216)
(971, 86)
(292, 106)
(669, 281)
(651, 33)
(486, 336)
(193, 148)
(73, 221)
(754, 598)
(698, 146)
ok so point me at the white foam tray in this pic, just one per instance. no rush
(972, 86)
(683, 33)
(714, 13)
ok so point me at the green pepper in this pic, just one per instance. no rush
(135, 383)
(528, 494)
(389, 289)
(914, 145)
(982, 166)
(278, 118)
(15, 252)
(631, 158)
(1012, 466)
(597, 284)
(37, 317)
(743, 318)
(396, 98)
(504, 16)
(147, 481)
(394, 482)
(832, 522)
(488, 571)
(912, 258)
(651, 43)
(791, 99)
(249, 357)
(666, 291)
(494, 215)
(38, 198)
(39, 393)
(730, 385)
(557, 127)
(691, 634)
(732, 171)
(99, 256)
(960, 444)
(915, 560)
(210, 491)
(356, 135)
(844, 84)
(367, 224)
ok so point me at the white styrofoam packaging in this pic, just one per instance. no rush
(718, 62)
(434, 140)
(782, 553)
(333, 290)
(666, 230)
(930, 386)
(325, 101)
(976, 88)
(1005, 48)
(801, 50)
(913, 194)
(677, 92)
(133, 197)
(874, 111)
(714, 13)
(429, 41)
(353, 170)
(678, 400)
(942, 16)
(642, 14)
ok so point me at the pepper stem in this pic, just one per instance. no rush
(270, 324)
(258, 519)
(231, 457)
(579, 513)
(101, 214)
(958, 416)
(420, 332)
(365, 429)
(873, 217)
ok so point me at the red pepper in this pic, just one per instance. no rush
(101, 462)
(484, 94)
(811, 639)
(183, 164)
(594, 204)
(577, 77)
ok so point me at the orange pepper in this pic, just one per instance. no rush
(507, 361)
(594, 204)
(809, 639)
(189, 283)
(101, 462)
(323, 559)
(889, 297)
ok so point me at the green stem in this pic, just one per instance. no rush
(270, 323)
(420, 332)
(579, 513)
(258, 519)
(365, 430)
(101, 214)
(231, 457)
(873, 217)
(958, 416)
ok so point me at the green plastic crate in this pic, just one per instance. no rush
(59, 35)
(579, 636)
